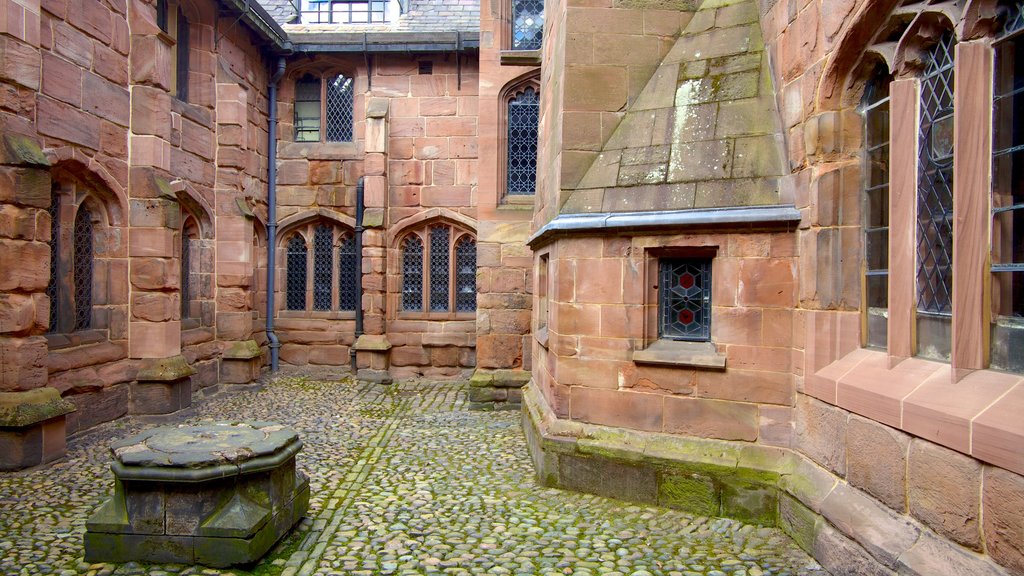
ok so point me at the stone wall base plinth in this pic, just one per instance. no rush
(163, 386)
(32, 428)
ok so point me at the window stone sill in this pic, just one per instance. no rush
(520, 57)
(978, 416)
(541, 336)
(702, 355)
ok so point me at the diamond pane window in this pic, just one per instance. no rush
(439, 268)
(876, 205)
(1008, 196)
(523, 117)
(83, 257)
(935, 182)
(348, 297)
(465, 275)
(412, 274)
(307, 109)
(323, 267)
(295, 293)
(527, 24)
(684, 299)
(51, 288)
(339, 109)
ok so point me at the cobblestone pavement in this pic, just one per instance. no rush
(404, 480)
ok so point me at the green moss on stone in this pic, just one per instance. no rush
(21, 409)
(164, 369)
(691, 493)
(22, 150)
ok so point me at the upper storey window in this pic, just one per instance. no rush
(323, 103)
(348, 11)
(527, 24)
(523, 119)
(175, 27)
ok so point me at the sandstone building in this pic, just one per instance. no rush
(756, 258)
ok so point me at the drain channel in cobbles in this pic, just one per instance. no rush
(404, 480)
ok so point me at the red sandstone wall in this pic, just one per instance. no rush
(88, 82)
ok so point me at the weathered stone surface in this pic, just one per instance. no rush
(884, 534)
(944, 492)
(821, 433)
(877, 461)
(1003, 517)
(22, 409)
(842, 556)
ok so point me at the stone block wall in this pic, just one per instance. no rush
(415, 144)
(88, 116)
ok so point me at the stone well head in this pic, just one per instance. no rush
(218, 494)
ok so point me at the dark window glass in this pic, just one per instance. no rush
(182, 50)
(339, 109)
(465, 275)
(527, 24)
(52, 287)
(1008, 196)
(295, 296)
(935, 182)
(876, 205)
(83, 256)
(307, 109)
(351, 12)
(186, 276)
(323, 267)
(348, 298)
(161, 15)
(523, 115)
(684, 299)
(439, 268)
(412, 274)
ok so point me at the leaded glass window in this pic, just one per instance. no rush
(323, 267)
(181, 50)
(186, 276)
(82, 262)
(527, 24)
(1008, 196)
(935, 182)
(440, 262)
(307, 109)
(465, 275)
(348, 298)
(876, 205)
(339, 109)
(295, 294)
(412, 274)
(684, 299)
(523, 117)
(52, 289)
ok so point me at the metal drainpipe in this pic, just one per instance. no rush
(359, 271)
(275, 344)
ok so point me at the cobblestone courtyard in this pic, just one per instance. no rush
(405, 480)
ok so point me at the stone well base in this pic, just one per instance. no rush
(843, 528)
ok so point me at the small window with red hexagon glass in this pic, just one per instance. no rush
(684, 300)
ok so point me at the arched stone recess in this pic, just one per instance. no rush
(196, 206)
(287, 224)
(425, 217)
(88, 291)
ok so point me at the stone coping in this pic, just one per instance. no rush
(164, 369)
(203, 452)
(825, 502)
(23, 409)
(243, 350)
(678, 353)
(372, 343)
(978, 416)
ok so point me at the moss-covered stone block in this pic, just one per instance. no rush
(692, 493)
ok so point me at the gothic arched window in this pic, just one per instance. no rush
(521, 152)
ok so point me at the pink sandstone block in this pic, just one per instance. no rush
(997, 435)
(871, 389)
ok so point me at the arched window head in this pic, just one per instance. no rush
(82, 265)
(527, 24)
(312, 114)
(521, 154)
(190, 273)
(295, 291)
(875, 106)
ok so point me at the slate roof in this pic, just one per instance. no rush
(420, 16)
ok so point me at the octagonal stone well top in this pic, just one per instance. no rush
(199, 452)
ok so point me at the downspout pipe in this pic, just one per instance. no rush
(359, 270)
(275, 344)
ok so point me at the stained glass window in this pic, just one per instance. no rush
(339, 109)
(52, 287)
(323, 267)
(527, 24)
(412, 274)
(83, 257)
(439, 268)
(876, 205)
(1008, 196)
(307, 109)
(684, 299)
(523, 115)
(295, 294)
(348, 298)
(465, 275)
